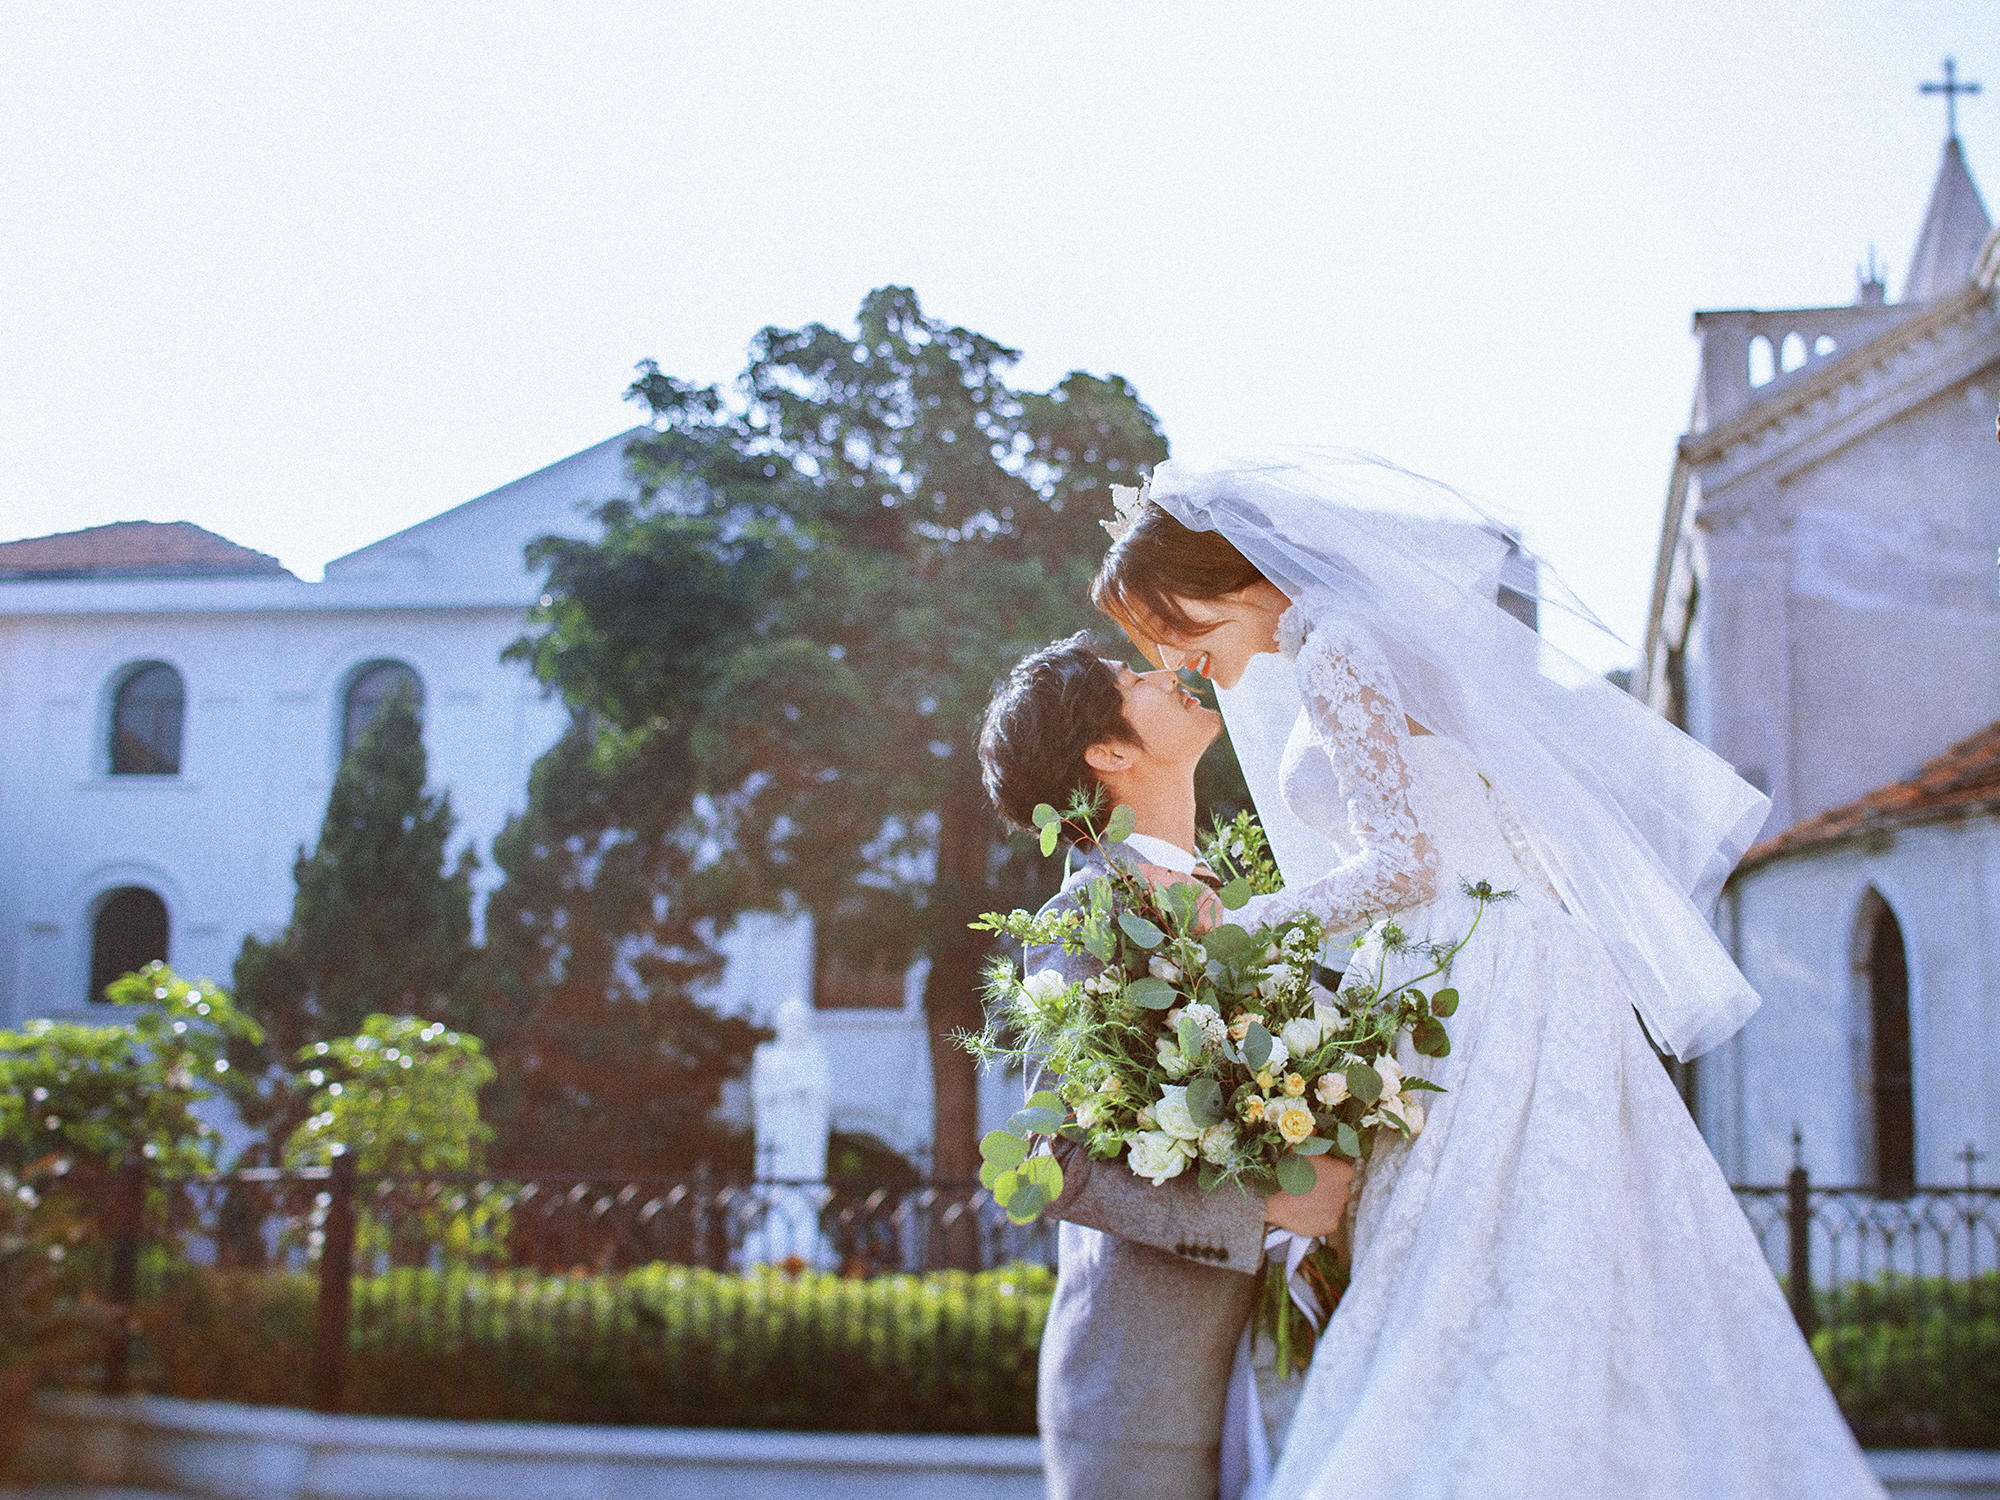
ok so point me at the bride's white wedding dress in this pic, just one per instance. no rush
(1554, 1292)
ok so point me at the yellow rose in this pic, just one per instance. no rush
(1253, 1109)
(1294, 1085)
(1265, 1080)
(1293, 1119)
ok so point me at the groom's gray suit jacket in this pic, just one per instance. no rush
(1153, 1287)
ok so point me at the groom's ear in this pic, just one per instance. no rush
(1109, 757)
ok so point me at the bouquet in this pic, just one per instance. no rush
(1216, 1049)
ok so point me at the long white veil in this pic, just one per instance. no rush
(1637, 824)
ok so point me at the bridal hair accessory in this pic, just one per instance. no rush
(1128, 502)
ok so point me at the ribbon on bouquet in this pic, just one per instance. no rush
(1246, 1445)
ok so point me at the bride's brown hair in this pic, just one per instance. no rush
(1156, 565)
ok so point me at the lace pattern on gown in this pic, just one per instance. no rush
(1352, 717)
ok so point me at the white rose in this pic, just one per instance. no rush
(1043, 987)
(1400, 1110)
(1280, 1055)
(1171, 1058)
(1087, 1114)
(1392, 1076)
(1219, 1142)
(1159, 968)
(1172, 1113)
(1332, 1020)
(1301, 1035)
(1155, 1154)
(1332, 1089)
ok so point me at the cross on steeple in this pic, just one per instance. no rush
(1972, 1156)
(1951, 88)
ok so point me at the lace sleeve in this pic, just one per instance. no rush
(1355, 720)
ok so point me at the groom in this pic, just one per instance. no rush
(1153, 1284)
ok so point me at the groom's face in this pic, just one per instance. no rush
(1173, 725)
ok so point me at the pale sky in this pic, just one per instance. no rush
(306, 275)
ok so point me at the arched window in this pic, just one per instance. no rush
(1792, 353)
(368, 690)
(129, 932)
(1763, 363)
(146, 715)
(1885, 976)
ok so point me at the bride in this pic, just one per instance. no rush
(1553, 1290)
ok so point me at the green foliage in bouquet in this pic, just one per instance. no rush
(1215, 1047)
(1211, 1047)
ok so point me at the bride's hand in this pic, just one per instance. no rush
(1208, 910)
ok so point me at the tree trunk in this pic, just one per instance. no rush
(952, 995)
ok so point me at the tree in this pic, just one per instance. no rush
(379, 925)
(783, 649)
(594, 951)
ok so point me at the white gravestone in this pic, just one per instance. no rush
(791, 1100)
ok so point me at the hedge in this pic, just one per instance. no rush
(1914, 1362)
(660, 1345)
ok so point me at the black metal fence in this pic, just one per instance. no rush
(466, 1280)
(387, 1288)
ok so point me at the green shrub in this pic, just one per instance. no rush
(663, 1344)
(1915, 1361)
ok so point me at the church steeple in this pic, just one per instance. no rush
(1956, 222)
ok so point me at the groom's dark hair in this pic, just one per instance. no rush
(1055, 704)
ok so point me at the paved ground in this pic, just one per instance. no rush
(79, 1492)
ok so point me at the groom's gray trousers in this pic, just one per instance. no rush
(1153, 1287)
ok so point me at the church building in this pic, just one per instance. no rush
(175, 706)
(1824, 616)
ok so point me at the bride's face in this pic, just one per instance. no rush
(1226, 633)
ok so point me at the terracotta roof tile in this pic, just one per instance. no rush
(1966, 778)
(133, 549)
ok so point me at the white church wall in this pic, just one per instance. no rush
(1801, 1060)
(263, 709)
(1892, 581)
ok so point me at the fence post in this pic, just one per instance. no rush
(128, 1212)
(1798, 1219)
(336, 1288)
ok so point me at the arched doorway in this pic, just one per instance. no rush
(128, 932)
(1891, 1102)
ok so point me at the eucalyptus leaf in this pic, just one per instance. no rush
(1005, 1185)
(1236, 895)
(1045, 1172)
(1204, 1100)
(990, 1174)
(1026, 1204)
(1140, 931)
(1230, 943)
(1363, 1082)
(1036, 1121)
(1444, 1002)
(1257, 1047)
(1098, 941)
(1191, 1039)
(1123, 822)
(1428, 1036)
(1051, 832)
(1043, 815)
(1346, 1139)
(1045, 1099)
(1006, 1149)
(1074, 1133)
(1151, 994)
(1313, 1145)
(1208, 1177)
(1296, 1175)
